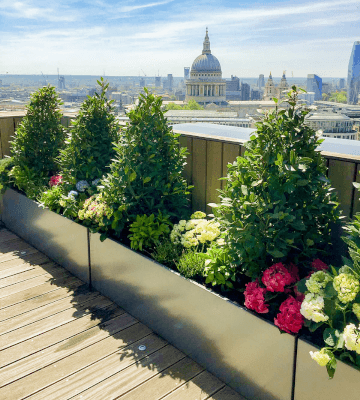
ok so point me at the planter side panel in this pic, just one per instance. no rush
(246, 352)
(62, 240)
(312, 381)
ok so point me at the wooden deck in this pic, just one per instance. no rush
(58, 340)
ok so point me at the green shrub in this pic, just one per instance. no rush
(146, 176)
(39, 137)
(277, 203)
(89, 147)
(166, 253)
(6, 164)
(147, 230)
(190, 264)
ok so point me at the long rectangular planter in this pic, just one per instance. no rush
(312, 381)
(64, 241)
(245, 351)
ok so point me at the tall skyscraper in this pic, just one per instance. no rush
(353, 81)
(261, 81)
(341, 83)
(186, 73)
(314, 84)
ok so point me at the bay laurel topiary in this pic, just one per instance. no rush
(89, 146)
(38, 140)
(146, 175)
(278, 204)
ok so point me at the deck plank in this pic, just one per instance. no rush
(63, 333)
(41, 301)
(199, 388)
(60, 341)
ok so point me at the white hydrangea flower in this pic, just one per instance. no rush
(320, 357)
(352, 337)
(312, 308)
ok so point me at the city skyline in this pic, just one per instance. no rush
(146, 37)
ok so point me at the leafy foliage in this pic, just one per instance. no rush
(89, 147)
(147, 230)
(6, 165)
(278, 204)
(146, 175)
(191, 105)
(166, 253)
(190, 264)
(37, 141)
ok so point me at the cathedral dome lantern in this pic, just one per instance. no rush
(206, 84)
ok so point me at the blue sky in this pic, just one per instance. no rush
(126, 37)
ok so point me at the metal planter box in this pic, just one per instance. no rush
(63, 240)
(245, 351)
(312, 381)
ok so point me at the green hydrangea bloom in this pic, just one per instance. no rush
(347, 286)
(198, 215)
(321, 357)
(356, 310)
(317, 282)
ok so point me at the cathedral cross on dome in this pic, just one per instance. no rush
(206, 47)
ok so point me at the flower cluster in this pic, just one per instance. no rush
(347, 286)
(277, 277)
(321, 357)
(95, 209)
(55, 180)
(195, 231)
(352, 338)
(318, 265)
(254, 298)
(72, 194)
(289, 319)
(317, 282)
(82, 185)
(312, 308)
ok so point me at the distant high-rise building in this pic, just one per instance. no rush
(314, 84)
(255, 94)
(327, 88)
(142, 82)
(353, 81)
(170, 81)
(157, 81)
(186, 73)
(341, 83)
(61, 82)
(261, 81)
(233, 85)
(245, 91)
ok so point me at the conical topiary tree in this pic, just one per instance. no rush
(37, 141)
(89, 147)
(146, 175)
(277, 203)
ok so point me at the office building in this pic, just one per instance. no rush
(353, 81)
(314, 84)
(261, 81)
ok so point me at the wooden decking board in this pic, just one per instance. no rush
(21, 286)
(56, 307)
(40, 301)
(101, 370)
(132, 376)
(199, 388)
(36, 291)
(49, 323)
(61, 341)
(32, 259)
(73, 362)
(63, 349)
(227, 394)
(47, 268)
(166, 381)
(19, 255)
(60, 334)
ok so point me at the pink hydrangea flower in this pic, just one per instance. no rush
(290, 319)
(254, 297)
(278, 276)
(55, 180)
(318, 265)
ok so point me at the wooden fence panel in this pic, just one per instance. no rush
(186, 141)
(199, 175)
(356, 198)
(230, 153)
(341, 175)
(213, 172)
(6, 131)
